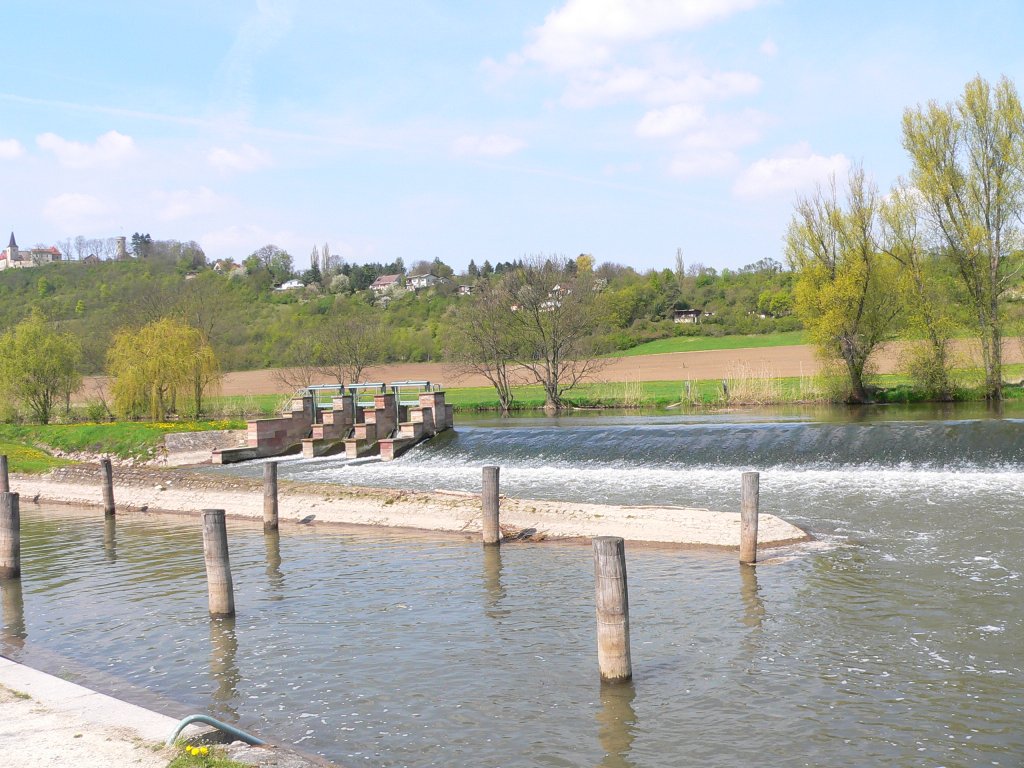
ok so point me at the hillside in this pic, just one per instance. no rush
(253, 326)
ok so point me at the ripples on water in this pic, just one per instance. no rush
(897, 645)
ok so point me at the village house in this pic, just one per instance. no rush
(466, 290)
(385, 283)
(426, 280)
(687, 315)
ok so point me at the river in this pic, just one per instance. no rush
(893, 639)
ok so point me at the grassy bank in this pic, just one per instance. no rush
(29, 446)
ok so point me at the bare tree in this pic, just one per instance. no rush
(482, 341)
(348, 345)
(65, 246)
(81, 247)
(552, 318)
(303, 369)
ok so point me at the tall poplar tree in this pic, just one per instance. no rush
(968, 166)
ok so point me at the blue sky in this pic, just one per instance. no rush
(466, 130)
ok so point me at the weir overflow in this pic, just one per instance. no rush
(357, 420)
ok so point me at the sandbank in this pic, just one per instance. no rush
(184, 491)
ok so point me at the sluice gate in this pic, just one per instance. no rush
(357, 419)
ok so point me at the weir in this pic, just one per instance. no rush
(399, 415)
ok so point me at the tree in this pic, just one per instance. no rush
(968, 165)
(552, 321)
(141, 245)
(844, 288)
(482, 340)
(153, 365)
(39, 365)
(348, 345)
(276, 261)
(925, 299)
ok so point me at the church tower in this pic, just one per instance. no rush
(11, 252)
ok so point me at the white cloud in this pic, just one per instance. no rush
(768, 47)
(664, 83)
(727, 131)
(710, 163)
(110, 149)
(790, 171)
(493, 145)
(183, 203)
(258, 34)
(76, 211)
(659, 123)
(703, 145)
(10, 149)
(245, 158)
(583, 33)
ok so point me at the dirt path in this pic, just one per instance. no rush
(764, 362)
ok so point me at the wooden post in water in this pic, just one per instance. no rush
(612, 609)
(270, 496)
(10, 536)
(748, 517)
(5, 482)
(218, 569)
(107, 473)
(492, 532)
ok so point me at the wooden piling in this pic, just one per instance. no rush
(270, 496)
(748, 517)
(492, 531)
(218, 568)
(10, 536)
(5, 482)
(107, 472)
(612, 600)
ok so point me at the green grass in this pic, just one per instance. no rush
(24, 458)
(126, 440)
(705, 343)
(215, 758)
(246, 406)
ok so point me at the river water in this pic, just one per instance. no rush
(893, 639)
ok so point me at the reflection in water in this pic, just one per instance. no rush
(753, 605)
(223, 666)
(492, 583)
(616, 724)
(272, 543)
(110, 538)
(13, 636)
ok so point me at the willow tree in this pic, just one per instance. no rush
(845, 289)
(968, 166)
(39, 365)
(155, 365)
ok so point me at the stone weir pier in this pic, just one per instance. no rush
(399, 416)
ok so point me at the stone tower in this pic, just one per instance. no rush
(12, 251)
(121, 249)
